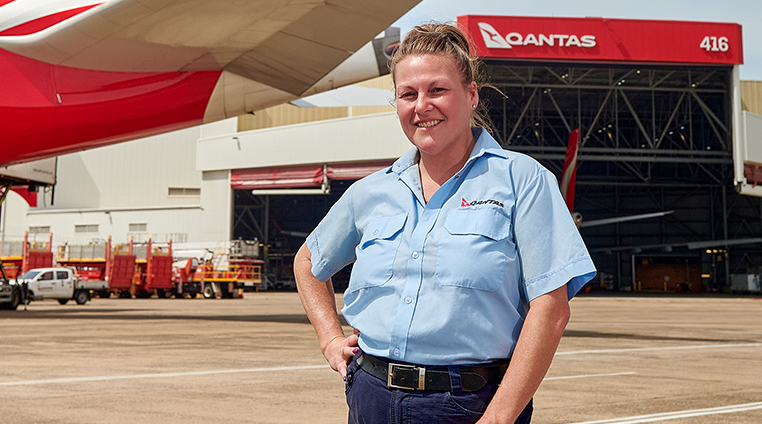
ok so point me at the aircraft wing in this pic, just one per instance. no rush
(285, 44)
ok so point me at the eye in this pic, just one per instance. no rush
(407, 95)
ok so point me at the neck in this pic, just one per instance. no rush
(436, 170)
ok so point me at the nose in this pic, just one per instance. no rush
(422, 104)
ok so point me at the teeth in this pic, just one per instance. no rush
(429, 124)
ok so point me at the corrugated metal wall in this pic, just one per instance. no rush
(287, 114)
(751, 96)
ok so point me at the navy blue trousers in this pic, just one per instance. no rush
(372, 402)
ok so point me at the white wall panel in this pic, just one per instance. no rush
(208, 221)
(161, 223)
(115, 186)
(136, 173)
(13, 218)
(747, 148)
(217, 200)
(370, 137)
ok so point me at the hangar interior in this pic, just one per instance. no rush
(652, 139)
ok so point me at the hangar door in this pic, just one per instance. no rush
(281, 205)
(655, 124)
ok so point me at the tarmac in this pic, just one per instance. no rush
(623, 359)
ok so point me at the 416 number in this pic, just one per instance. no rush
(715, 44)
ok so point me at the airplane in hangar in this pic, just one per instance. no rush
(567, 186)
(79, 74)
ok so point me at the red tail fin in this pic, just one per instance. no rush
(569, 175)
(29, 196)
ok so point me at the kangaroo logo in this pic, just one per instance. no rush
(492, 38)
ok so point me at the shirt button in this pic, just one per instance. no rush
(397, 352)
(375, 233)
(415, 255)
(408, 300)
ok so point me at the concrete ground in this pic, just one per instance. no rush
(623, 359)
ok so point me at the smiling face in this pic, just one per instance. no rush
(433, 105)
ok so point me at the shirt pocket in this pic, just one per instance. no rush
(376, 252)
(473, 247)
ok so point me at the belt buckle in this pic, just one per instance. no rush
(421, 377)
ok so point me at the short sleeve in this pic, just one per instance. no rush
(332, 243)
(550, 247)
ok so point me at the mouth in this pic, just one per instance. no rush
(428, 124)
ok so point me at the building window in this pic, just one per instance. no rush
(184, 191)
(85, 228)
(40, 230)
(138, 228)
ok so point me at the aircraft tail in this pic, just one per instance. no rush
(569, 175)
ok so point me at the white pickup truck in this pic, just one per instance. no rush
(58, 283)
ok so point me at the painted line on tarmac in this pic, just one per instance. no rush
(196, 373)
(679, 414)
(646, 349)
(589, 375)
(306, 367)
(162, 375)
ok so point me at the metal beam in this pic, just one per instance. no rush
(669, 121)
(597, 115)
(509, 140)
(637, 120)
(624, 158)
(607, 87)
(558, 109)
(594, 150)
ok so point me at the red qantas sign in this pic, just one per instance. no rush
(605, 40)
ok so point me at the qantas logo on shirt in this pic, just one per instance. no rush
(465, 203)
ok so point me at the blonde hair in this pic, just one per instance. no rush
(449, 41)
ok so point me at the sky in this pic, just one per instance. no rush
(747, 13)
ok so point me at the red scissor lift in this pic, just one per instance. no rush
(19, 257)
(153, 270)
(101, 262)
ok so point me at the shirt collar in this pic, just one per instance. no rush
(485, 144)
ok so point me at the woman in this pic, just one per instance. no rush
(465, 257)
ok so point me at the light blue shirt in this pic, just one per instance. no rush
(449, 281)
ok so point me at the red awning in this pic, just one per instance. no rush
(280, 177)
(752, 172)
(356, 170)
(300, 176)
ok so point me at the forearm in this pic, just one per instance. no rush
(535, 348)
(318, 299)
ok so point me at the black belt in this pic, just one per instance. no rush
(413, 377)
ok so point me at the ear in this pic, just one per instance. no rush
(473, 92)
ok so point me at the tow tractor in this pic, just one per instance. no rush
(10, 295)
(231, 270)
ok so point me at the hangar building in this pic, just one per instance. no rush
(670, 144)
